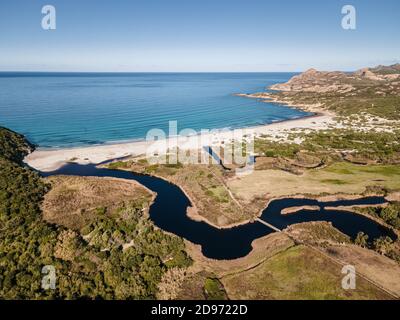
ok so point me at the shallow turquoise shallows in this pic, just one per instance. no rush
(76, 109)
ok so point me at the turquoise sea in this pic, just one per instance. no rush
(77, 109)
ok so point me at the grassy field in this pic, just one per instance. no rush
(297, 273)
(341, 177)
(199, 284)
(277, 268)
(263, 248)
(214, 290)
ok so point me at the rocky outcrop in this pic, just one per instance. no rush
(368, 74)
(315, 81)
(384, 70)
(341, 82)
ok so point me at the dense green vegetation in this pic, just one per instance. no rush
(276, 149)
(383, 245)
(364, 100)
(338, 144)
(13, 146)
(118, 165)
(386, 107)
(214, 290)
(96, 265)
(361, 239)
(380, 146)
(26, 243)
(389, 214)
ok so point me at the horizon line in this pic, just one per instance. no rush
(166, 72)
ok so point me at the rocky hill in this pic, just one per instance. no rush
(368, 91)
(321, 82)
(385, 70)
(315, 81)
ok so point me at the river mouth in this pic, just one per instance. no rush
(169, 213)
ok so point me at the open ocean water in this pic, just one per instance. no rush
(61, 110)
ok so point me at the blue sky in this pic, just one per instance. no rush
(197, 35)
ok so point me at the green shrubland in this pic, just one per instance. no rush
(91, 265)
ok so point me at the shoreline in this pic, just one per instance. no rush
(269, 97)
(52, 159)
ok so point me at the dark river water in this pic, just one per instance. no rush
(168, 212)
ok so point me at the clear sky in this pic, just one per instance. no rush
(197, 35)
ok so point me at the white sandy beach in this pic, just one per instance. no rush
(49, 160)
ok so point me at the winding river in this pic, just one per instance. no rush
(169, 209)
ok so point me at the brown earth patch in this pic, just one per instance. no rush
(292, 210)
(376, 267)
(298, 273)
(262, 249)
(74, 202)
